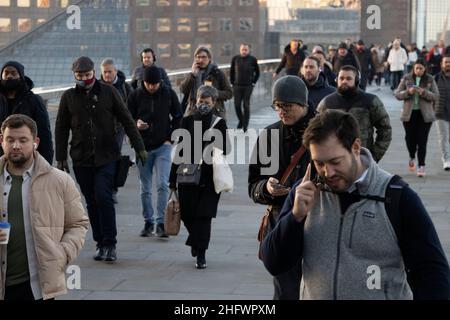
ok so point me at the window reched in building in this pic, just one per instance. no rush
(162, 3)
(184, 3)
(163, 50)
(184, 24)
(184, 50)
(5, 25)
(245, 24)
(142, 24)
(204, 25)
(23, 3)
(225, 24)
(226, 50)
(24, 25)
(163, 24)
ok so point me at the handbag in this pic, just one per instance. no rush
(172, 216)
(122, 167)
(270, 216)
(189, 173)
(222, 174)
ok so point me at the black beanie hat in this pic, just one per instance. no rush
(151, 75)
(20, 68)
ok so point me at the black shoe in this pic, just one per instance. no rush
(111, 254)
(194, 252)
(160, 231)
(148, 229)
(100, 254)
(239, 126)
(201, 260)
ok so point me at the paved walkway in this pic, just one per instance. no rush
(151, 268)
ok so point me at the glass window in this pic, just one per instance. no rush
(63, 3)
(141, 3)
(202, 3)
(24, 25)
(40, 21)
(163, 25)
(183, 3)
(23, 3)
(163, 3)
(204, 25)
(245, 2)
(5, 25)
(43, 3)
(224, 3)
(225, 24)
(5, 3)
(140, 47)
(245, 24)
(184, 50)
(142, 24)
(184, 24)
(163, 50)
(226, 50)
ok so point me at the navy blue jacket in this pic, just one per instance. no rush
(318, 91)
(424, 258)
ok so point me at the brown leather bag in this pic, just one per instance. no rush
(270, 217)
(172, 216)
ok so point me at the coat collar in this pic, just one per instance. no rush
(41, 166)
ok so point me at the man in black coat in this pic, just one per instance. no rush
(344, 57)
(282, 139)
(148, 59)
(292, 60)
(116, 78)
(16, 87)
(365, 60)
(244, 73)
(157, 112)
(90, 111)
(315, 81)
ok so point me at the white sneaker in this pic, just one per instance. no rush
(421, 171)
(447, 165)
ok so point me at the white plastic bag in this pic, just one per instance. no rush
(222, 174)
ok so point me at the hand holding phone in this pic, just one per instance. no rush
(276, 189)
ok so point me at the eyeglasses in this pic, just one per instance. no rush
(286, 107)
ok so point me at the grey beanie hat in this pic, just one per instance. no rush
(290, 89)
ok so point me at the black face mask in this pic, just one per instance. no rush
(12, 84)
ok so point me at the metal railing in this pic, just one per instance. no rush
(261, 91)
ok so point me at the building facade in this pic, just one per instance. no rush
(175, 28)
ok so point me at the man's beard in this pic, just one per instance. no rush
(18, 161)
(348, 177)
(349, 91)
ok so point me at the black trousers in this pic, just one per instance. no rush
(287, 285)
(242, 95)
(20, 292)
(199, 232)
(416, 136)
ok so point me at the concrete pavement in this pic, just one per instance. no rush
(152, 268)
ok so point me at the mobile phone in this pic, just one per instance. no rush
(315, 177)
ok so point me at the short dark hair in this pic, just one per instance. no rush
(16, 121)
(147, 50)
(314, 59)
(332, 122)
(349, 67)
(447, 55)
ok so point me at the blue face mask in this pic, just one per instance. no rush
(203, 108)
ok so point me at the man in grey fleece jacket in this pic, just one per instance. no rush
(334, 220)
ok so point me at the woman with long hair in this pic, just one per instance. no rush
(419, 92)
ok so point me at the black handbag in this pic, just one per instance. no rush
(189, 174)
(123, 165)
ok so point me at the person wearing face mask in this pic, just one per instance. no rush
(157, 112)
(16, 88)
(90, 112)
(368, 109)
(199, 202)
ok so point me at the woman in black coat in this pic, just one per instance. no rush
(198, 203)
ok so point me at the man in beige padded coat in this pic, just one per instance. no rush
(43, 207)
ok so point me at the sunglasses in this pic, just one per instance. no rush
(286, 107)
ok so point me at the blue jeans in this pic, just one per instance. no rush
(396, 77)
(161, 161)
(96, 184)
